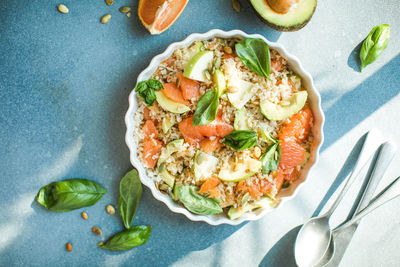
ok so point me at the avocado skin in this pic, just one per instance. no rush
(292, 28)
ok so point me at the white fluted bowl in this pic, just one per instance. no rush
(286, 194)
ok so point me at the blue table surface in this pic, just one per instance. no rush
(64, 86)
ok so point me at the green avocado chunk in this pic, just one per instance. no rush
(294, 18)
(285, 108)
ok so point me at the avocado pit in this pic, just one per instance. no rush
(281, 6)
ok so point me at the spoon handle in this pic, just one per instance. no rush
(390, 192)
(349, 180)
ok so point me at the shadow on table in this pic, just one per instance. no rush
(356, 105)
(376, 90)
(353, 61)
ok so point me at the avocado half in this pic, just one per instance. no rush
(295, 19)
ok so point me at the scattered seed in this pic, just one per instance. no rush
(276, 155)
(124, 9)
(285, 184)
(110, 209)
(228, 49)
(109, 2)
(164, 187)
(233, 89)
(257, 152)
(100, 243)
(236, 164)
(128, 14)
(105, 18)
(236, 5)
(63, 9)
(84, 215)
(68, 246)
(208, 75)
(97, 230)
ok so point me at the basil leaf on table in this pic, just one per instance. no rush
(130, 191)
(206, 109)
(376, 41)
(145, 89)
(128, 239)
(70, 194)
(196, 203)
(254, 53)
(241, 140)
(268, 161)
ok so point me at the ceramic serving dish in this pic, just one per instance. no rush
(285, 194)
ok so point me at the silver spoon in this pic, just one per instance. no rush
(314, 236)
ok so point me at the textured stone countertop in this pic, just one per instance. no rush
(64, 86)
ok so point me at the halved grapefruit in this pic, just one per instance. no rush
(158, 15)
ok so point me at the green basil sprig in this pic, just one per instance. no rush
(145, 89)
(128, 239)
(241, 140)
(206, 109)
(197, 203)
(268, 160)
(254, 53)
(376, 41)
(130, 191)
(70, 194)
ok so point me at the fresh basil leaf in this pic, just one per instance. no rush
(145, 89)
(268, 161)
(69, 194)
(155, 84)
(197, 203)
(254, 53)
(130, 191)
(128, 239)
(376, 41)
(206, 109)
(240, 140)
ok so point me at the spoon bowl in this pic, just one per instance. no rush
(312, 241)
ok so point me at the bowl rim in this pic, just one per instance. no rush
(292, 60)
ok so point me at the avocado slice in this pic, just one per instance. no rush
(170, 105)
(168, 178)
(241, 171)
(198, 64)
(241, 120)
(166, 124)
(219, 81)
(284, 15)
(204, 165)
(175, 194)
(240, 93)
(172, 147)
(263, 203)
(285, 108)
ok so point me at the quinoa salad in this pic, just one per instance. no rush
(223, 125)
